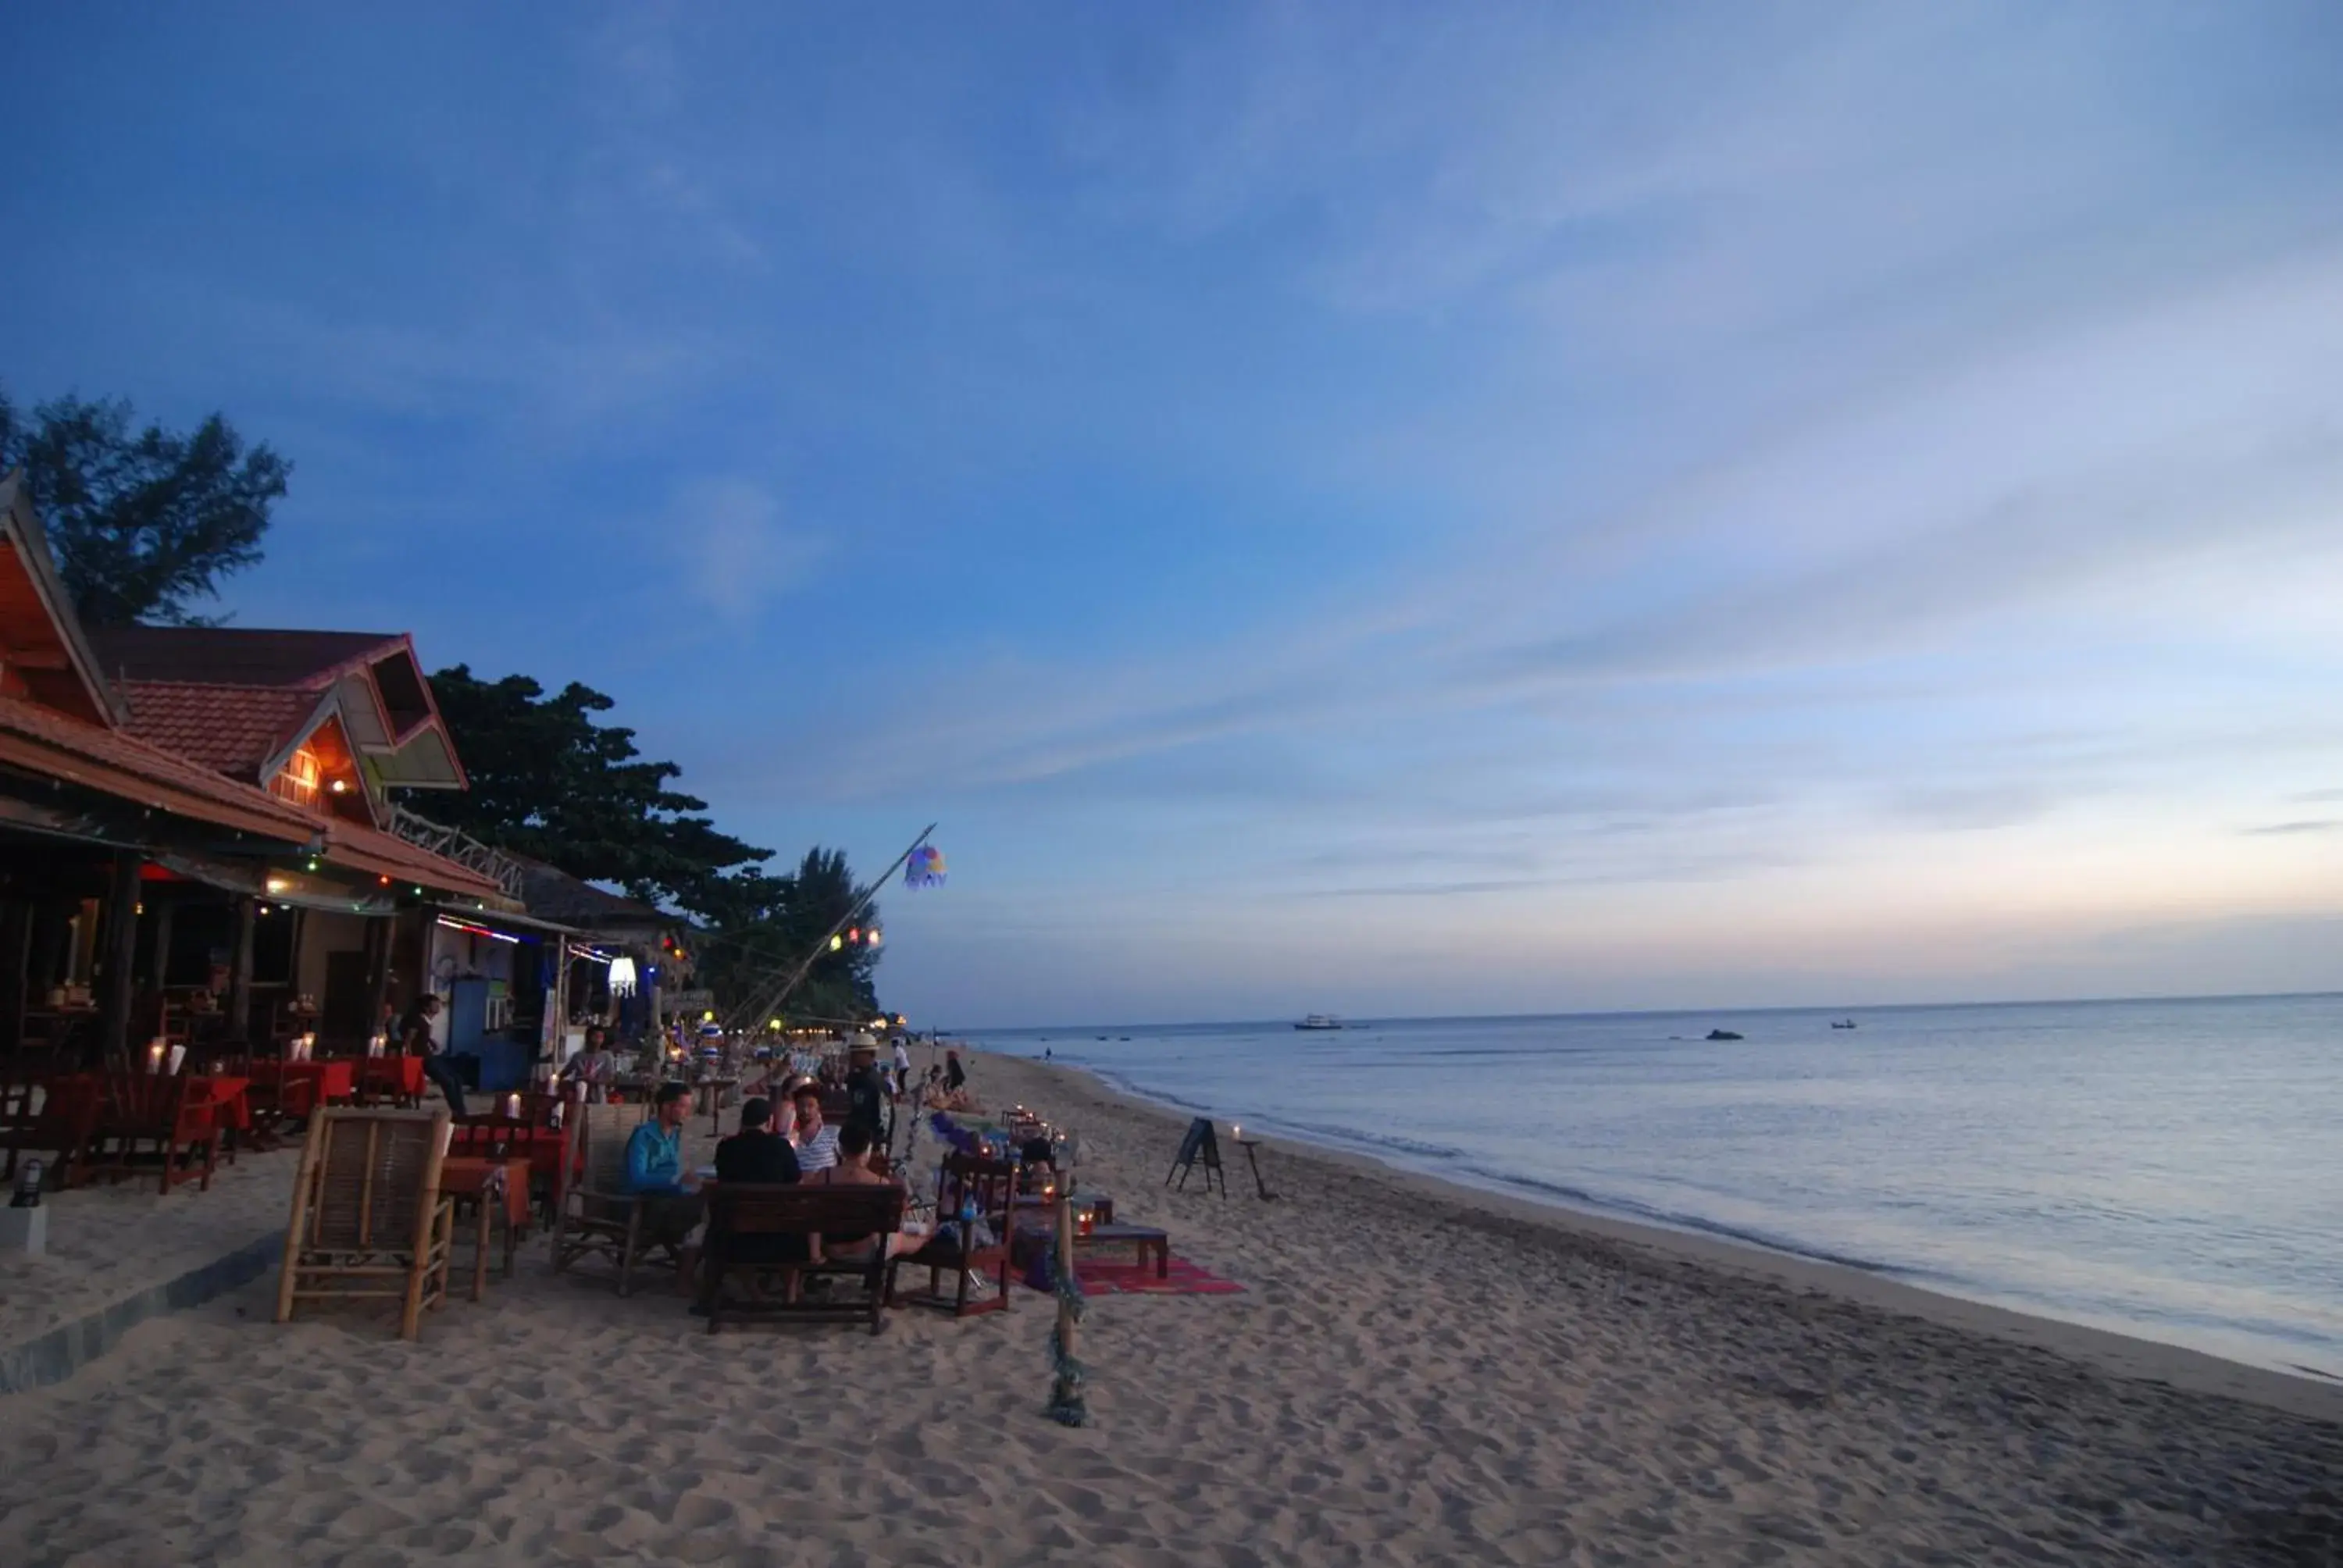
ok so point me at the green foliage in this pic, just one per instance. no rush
(142, 521)
(775, 921)
(549, 781)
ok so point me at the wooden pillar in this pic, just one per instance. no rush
(15, 959)
(53, 942)
(120, 965)
(377, 972)
(161, 971)
(239, 974)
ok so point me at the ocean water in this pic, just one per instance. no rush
(2171, 1169)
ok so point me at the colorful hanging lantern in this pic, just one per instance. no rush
(925, 869)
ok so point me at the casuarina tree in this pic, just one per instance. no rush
(549, 781)
(144, 522)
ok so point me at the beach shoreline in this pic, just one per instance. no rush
(2121, 1354)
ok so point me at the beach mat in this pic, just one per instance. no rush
(1121, 1277)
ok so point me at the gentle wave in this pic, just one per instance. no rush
(2163, 1169)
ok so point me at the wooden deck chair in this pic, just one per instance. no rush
(369, 1221)
(992, 1183)
(599, 1217)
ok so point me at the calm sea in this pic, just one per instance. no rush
(2172, 1170)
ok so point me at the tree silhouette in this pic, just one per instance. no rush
(142, 522)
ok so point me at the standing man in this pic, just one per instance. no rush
(416, 1039)
(902, 1069)
(866, 1091)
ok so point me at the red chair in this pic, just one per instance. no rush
(48, 1113)
(160, 1109)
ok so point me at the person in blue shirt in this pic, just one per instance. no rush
(655, 1168)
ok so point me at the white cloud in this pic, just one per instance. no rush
(736, 552)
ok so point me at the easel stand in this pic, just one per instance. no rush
(1200, 1145)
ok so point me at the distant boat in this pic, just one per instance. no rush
(1722, 1034)
(1843, 1023)
(1319, 1021)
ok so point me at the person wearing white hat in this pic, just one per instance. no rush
(866, 1090)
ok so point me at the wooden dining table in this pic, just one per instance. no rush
(492, 1186)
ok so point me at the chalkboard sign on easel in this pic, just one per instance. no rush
(1199, 1145)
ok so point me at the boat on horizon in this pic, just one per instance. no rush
(1320, 1021)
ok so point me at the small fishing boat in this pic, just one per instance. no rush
(1843, 1023)
(1319, 1021)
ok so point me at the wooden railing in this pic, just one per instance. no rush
(455, 844)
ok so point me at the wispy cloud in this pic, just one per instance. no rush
(1701, 495)
(738, 555)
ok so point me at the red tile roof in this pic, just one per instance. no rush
(235, 656)
(42, 740)
(234, 729)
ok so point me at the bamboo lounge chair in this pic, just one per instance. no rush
(598, 1215)
(369, 1221)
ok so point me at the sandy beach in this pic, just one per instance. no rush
(1414, 1375)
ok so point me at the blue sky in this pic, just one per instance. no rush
(1351, 508)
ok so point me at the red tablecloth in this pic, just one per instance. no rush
(405, 1071)
(228, 1099)
(332, 1079)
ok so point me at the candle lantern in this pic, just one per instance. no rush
(155, 1055)
(178, 1055)
(376, 1045)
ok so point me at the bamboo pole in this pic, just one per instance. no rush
(752, 1018)
(1065, 1261)
(1067, 1406)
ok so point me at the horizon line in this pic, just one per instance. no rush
(1673, 1013)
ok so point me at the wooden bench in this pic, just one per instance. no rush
(747, 1227)
(1141, 1239)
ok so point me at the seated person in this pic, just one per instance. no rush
(759, 1155)
(655, 1169)
(756, 1152)
(816, 1145)
(594, 1066)
(854, 1170)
